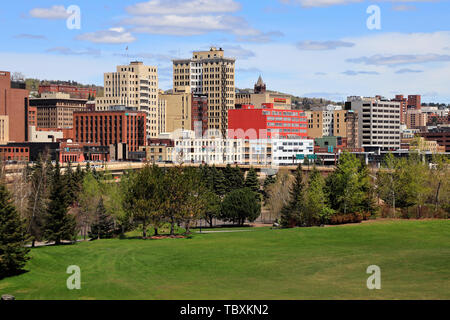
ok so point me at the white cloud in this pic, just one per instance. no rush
(323, 45)
(297, 78)
(30, 36)
(395, 60)
(56, 12)
(111, 36)
(69, 51)
(404, 7)
(406, 70)
(328, 3)
(238, 52)
(355, 73)
(183, 7)
(193, 17)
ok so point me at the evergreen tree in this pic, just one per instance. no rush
(13, 254)
(72, 185)
(37, 202)
(315, 211)
(291, 214)
(252, 181)
(59, 225)
(103, 228)
(268, 182)
(219, 182)
(240, 205)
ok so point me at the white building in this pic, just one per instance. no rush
(271, 152)
(291, 151)
(378, 122)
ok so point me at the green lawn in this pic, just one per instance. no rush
(313, 263)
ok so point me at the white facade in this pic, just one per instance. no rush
(210, 151)
(378, 122)
(285, 151)
(44, 136)
(271, 152)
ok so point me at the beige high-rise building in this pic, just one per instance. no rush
(178, 110)
(210, 73)
(135, 85)
(338, 123)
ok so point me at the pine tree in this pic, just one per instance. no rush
(219, 182)
(59, 225)
(252, 181)
(291, 214)
(72, 186)
(103, 228)
(267, 183)
(37, 202)
(13, 254)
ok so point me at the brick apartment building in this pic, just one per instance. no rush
(415, 102)
(73, 91)
(111, 128)
(440, 135)
(14, 105)
(403, 107)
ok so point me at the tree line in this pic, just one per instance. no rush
(352, 193)
(46, 205)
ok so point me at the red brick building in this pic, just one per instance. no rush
(11, 153)
(80, 152)
(111, 128)
(441, 136)
(403, 107)
(75, 92)
(200, 114)
(32, 117)
(415, 102)
(14, 104)
(266, 123)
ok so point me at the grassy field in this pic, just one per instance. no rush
(313, 263)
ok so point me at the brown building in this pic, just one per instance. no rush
(74, 91)
(260, 86)
(199, 115)
(111, 128)
(159, 150)
(55, 110)
(403, 107)
(415, 119)
(441, 136)
(14, 104)
(352, 134)
(415, 102)
(32, 116)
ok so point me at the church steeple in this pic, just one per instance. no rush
(260, 86)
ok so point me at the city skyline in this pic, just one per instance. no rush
(307, 48)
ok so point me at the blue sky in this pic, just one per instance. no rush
(319, 48)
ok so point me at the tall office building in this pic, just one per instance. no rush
(378, 122)
(135, 85)
(14, 104)
(210, 73)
